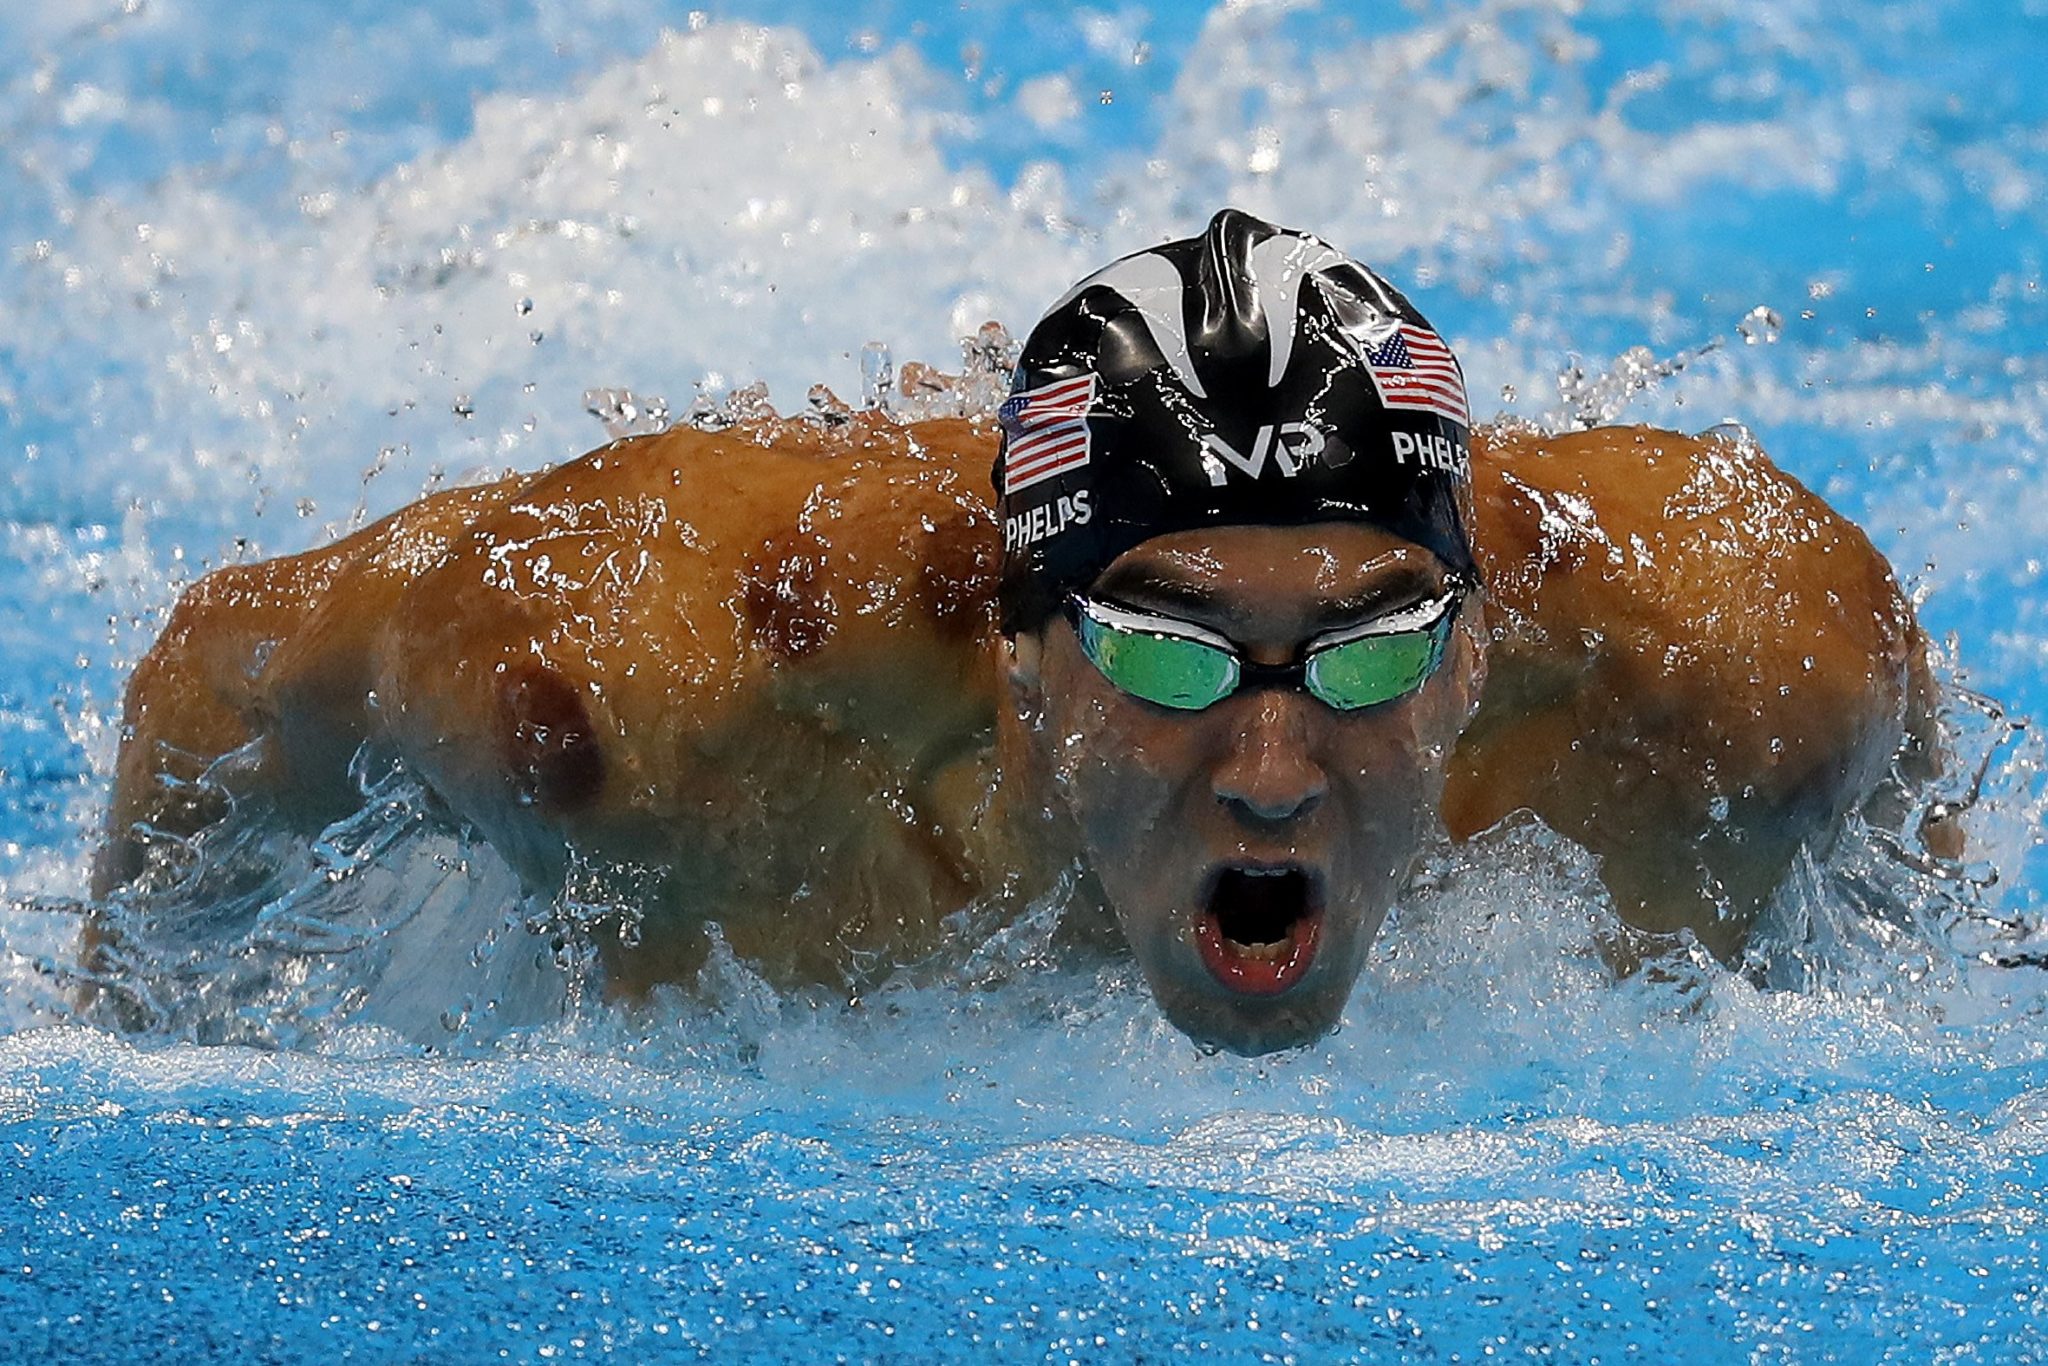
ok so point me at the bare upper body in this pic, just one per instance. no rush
(757, 672)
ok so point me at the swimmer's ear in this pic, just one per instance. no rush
(1021, 655)
(1470, 644)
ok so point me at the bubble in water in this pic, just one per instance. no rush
(987, 359)
(921, 391)
(1265, 154)
(991, 350)
(1593, 400)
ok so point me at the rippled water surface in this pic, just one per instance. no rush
(268, 270)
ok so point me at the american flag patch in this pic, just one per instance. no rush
(1413, 369)
(1046, 431)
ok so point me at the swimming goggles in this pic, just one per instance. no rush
(1177, 664)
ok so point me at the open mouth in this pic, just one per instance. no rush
(1258, 927)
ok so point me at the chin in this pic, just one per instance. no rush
(1253, 1028)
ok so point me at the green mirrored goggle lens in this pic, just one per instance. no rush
(1168, 670)
(1188, 674)
(1375, 669)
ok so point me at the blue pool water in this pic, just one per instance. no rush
(269, 269)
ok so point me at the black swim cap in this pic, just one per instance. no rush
(1249, 375)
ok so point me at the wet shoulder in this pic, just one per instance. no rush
(1705, 528)
(787, 531)
(694, 593)
(1690, 579)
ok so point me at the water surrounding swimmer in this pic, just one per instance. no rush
(253, 302)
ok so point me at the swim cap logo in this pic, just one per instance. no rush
(1291, 445)
(1153, 287)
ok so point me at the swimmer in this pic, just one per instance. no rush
(1252, 613)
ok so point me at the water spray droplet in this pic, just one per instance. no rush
(1760, 324)
(877, 375)
(828, 406)
(625, 415)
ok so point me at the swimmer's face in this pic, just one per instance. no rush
(1251, 850)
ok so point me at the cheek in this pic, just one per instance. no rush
(1102, 765)
(1391, 776)
(1411, 744)
(1396, 762)
(1117, 769)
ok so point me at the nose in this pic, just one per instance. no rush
(1269, 775)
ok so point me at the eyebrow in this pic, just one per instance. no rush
(1405, 587)
(1146, 586)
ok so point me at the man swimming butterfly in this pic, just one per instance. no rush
(1253, 612)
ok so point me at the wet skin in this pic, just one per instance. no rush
(1168, 804)
(756, 675)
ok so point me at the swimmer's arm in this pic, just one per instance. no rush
(263, 662)
(1923, 760)
(188, 704)
(1700, 671)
